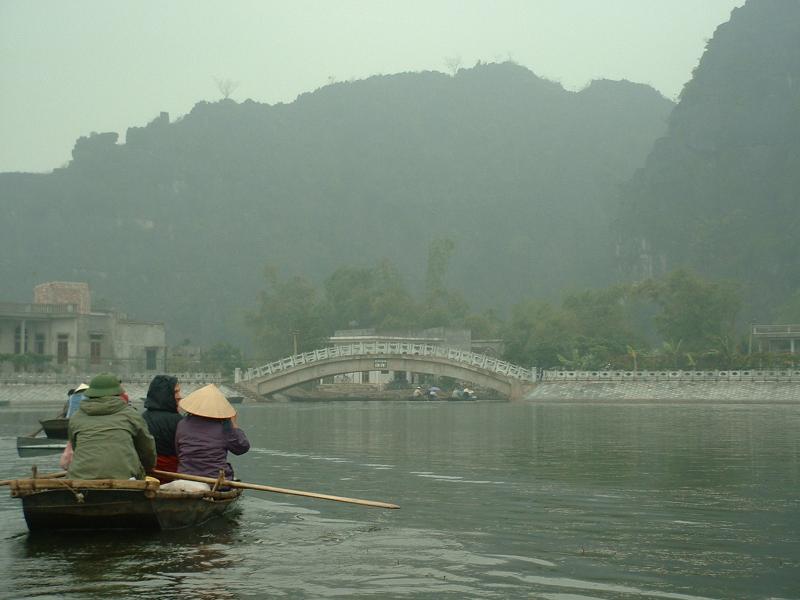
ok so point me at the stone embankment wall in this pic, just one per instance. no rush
(675, 386)
(32, 389)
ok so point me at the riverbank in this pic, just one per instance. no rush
(759, 392)
(19, 395)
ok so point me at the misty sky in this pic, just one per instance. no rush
(70, 68)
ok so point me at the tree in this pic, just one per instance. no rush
(392, 304)
(442, 306)
(453, 64)
(348, 297)
(369, 297)
(485, 325)
(789, 311)
(604, 327)
(287, 308)
(537, 333)
(226, 86)
(692, 310)
(222, 357)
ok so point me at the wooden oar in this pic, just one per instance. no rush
(268, 488)
(44, 476)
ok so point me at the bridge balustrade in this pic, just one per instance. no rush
(562, 375)
(471, 359)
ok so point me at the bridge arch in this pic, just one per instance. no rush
(478, 369)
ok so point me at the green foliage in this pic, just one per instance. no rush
(789, 311)
(27, 361)
(538, 333)
(363, 297)
(578, 361)
(484, 326)
(288, 311)
(222, 358)
(443, 307)
(360, 297)
(696, 313)
(592, 329)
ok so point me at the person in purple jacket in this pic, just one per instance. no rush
(207, 433)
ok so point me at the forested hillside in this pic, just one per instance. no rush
(721, 190)
(177, 222)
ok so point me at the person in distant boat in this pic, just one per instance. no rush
(109, 439)
(207, 433)
(75, 398)
(161, 416)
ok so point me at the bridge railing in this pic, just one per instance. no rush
(73, 379)
(471, 359)
(563, 375)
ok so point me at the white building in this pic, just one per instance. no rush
(60, 332)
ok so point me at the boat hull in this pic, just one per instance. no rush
(55, 428)
(36, 446)
(50, 505)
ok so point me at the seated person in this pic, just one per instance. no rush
(66, 457)
(208, 432)
(75, 398)
(109, 439)
(161, 416)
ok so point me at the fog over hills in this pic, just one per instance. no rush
(719, 192)
(177, 223)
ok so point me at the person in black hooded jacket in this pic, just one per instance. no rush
(161, 416)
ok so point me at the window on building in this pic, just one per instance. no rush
(150, 355)
(38, 344)
(20, 345)
(62, 349)
(95, 343)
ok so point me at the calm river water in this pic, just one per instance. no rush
(560, 502)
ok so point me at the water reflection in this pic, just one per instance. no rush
(144, 564)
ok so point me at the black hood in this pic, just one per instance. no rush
(161, 394)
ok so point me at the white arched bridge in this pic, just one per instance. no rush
(479, 369)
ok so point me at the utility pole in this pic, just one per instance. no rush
(295, 333)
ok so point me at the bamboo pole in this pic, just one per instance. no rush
(268, 488)
(45, 476)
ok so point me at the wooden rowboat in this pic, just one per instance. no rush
(55, 428)
(58, 504)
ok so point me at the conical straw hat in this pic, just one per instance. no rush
(208, 401)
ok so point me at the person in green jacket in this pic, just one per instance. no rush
(110, 440)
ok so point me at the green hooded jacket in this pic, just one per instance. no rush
(110, 441)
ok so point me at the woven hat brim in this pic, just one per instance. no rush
(209, 402)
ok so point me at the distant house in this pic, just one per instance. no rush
(60, 327)
(775, 338)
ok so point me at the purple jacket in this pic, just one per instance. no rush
(203, 445)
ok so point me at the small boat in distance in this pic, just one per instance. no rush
(55, 428)
(39, 446)
(51, 504)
